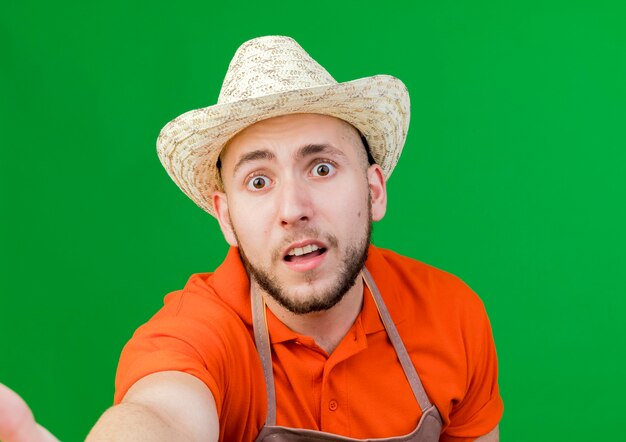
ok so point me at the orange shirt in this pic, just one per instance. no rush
(360, 389)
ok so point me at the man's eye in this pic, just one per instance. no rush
(323, 169)
(258, 182)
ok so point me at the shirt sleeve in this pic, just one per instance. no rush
(481, 408)
(170, 342)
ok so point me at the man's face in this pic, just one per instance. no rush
(299, 201)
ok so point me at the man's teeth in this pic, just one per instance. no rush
(298, 251)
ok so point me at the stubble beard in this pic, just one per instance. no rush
(353, 262)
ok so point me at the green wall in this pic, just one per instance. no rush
(513, 177)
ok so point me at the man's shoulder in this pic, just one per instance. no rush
(198, 310)
(197, 295)
(197, 332)
(398, 260)
(419, 279)
(219, 295)
(413, 268)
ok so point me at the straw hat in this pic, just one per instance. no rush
(269, 77)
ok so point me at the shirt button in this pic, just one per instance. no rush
(332, 405)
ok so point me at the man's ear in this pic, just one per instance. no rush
(220, 206)
(378, 191)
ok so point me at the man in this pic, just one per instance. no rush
(306, 331)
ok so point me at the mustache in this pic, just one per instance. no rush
(301, 234)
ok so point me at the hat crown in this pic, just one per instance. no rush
(270, 65)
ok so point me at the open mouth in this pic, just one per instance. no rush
(303, 253)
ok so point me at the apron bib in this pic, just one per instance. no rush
(428, 428)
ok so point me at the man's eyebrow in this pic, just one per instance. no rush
(255, 155)
(315, 149)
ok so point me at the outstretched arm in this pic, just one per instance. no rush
(163, 406)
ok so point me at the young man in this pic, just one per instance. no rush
(306, 331)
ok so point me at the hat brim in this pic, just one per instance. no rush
(189, 146)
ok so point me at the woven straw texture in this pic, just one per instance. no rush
(269, 77)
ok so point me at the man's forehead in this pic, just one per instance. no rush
(315, 125)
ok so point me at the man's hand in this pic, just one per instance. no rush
(17, 423)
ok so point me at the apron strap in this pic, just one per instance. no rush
(262, 341)
(398, 345)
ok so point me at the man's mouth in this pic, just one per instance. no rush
(298, 254)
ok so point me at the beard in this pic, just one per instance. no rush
(353, 262)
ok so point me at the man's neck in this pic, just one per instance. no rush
(327, 328)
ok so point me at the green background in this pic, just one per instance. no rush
(513, 177)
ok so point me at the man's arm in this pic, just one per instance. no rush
(492, 436)
(163, 406)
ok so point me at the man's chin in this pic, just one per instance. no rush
(309, 297)
(305, 306)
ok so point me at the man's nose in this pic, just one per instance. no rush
(295, 203)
